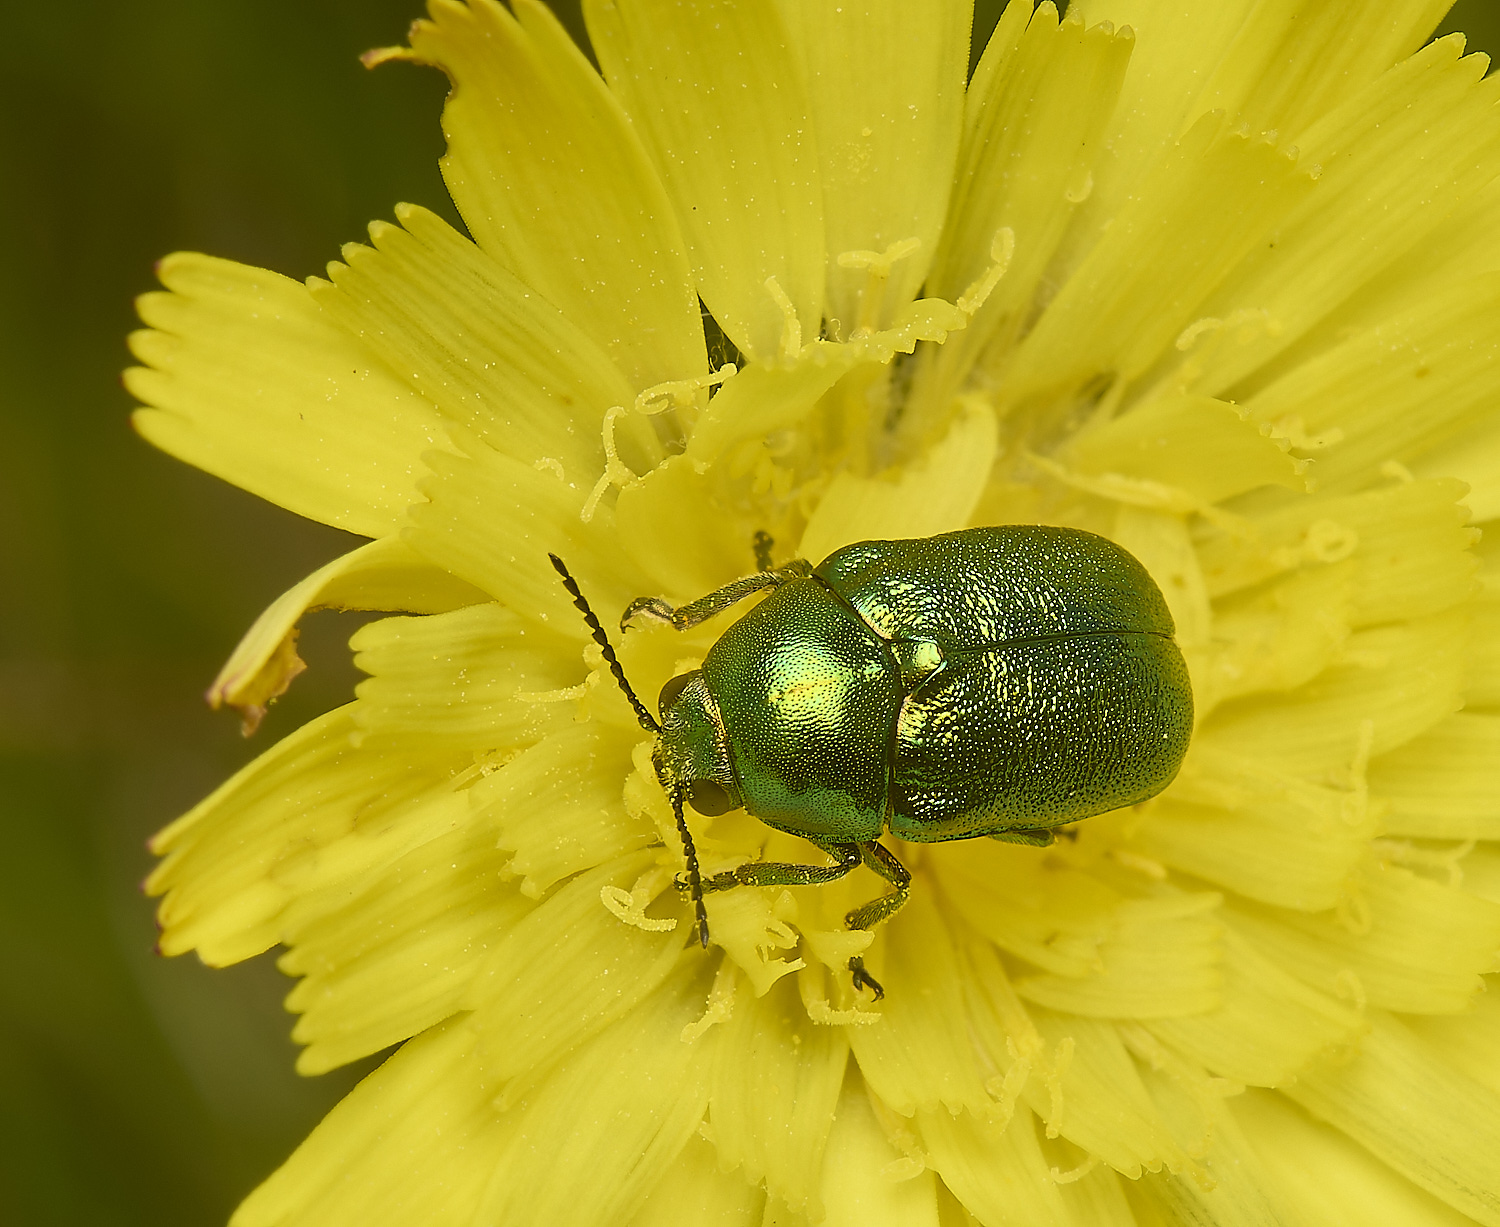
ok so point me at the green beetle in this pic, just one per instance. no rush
(993, 682)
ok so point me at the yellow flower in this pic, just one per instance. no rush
(1221, 283)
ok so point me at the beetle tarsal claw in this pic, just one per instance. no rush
(863, 979)
(761, 544)
(708, 886)
(652, 606)
(722, 881)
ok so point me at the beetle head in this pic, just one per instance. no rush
(692, 753)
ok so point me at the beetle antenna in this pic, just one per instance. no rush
(642, 713)
(695, 882)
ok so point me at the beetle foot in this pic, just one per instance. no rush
(863, 979)
(707, 886)
(762, 543)
(651, 606)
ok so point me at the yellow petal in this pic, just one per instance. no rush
(1464, 246)
(248, 379)
(935, 495)
(1229, 1184)
(994, 60)
(776, 1085)
(1481, 871)
(1077, 1078)
(1472, 456)
(482, 346)
(745, 924)
(1161, 959)
(1276, 636)
(1331, 1179)
(493, 520)
(552, 180)
(565, 972)
(1409, 543)
(312, 810)
(678, 526)
(885, 87)
(715, 93)
(1401, 681)
(1193, 57)
(426, 1108)
(398, 957)
(1395, 390)
(1191, 443)
(559, 805)
(1052, 916)
(1446, 783)
(1178, 45)
(377, 839)
(1396, 157)
(762, 399)
(1467, 1042)
(694, 1191)
(920, 1053)
(1445, 267)
(478, 678)
(1089, 1091)
(997, 1170)
(1033, 117)
(1402, 942)
(1482, 671)
(1289, 64)
(1434, 1126)
(1269, 1027)
(866, 1181)
(386, 574)
(1261, 832)
(1195, 215)
(610, 1122)
(1096, 1197)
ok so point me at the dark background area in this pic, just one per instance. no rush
(135, 1089)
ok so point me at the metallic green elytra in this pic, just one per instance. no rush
(995, 682)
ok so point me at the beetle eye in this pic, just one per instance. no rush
(709, 798)
(671, 690)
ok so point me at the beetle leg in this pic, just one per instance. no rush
(879, 858)
(685, 617)
(655, 606)
(1031, 838)
(776, 873)
(863, 979)
(762, 544)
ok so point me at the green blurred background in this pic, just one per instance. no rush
(135, 1089)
